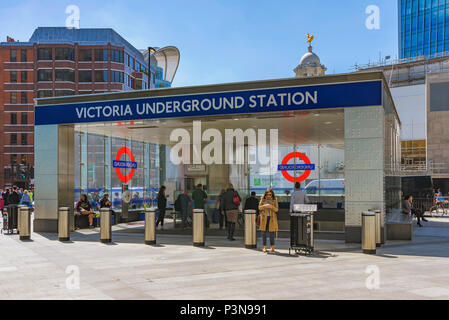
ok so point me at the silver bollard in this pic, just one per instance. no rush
(64, 224)
(250, 229)
(105, 225)
(198, 227)
(378, 227)
(24, 223)
(150, 226)
(369, 232)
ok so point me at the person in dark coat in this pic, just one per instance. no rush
(252, 203)
(13, 197)
(231, 209)
(162, 206)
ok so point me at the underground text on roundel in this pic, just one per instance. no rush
(231, 102)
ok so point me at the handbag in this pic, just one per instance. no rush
(236, 199)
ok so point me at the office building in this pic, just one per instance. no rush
(63, 62)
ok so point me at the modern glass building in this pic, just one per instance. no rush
(423, 28)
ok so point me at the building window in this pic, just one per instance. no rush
(13, 141)
(13, 158)
(64, 75)
(24, 118)
(23, 55)
(45, 93)
(85, 76)
(64, 54)
(44, 54)
(64, 93)
(101, 55)
(13, 76)
(24, 139)
(13, 98)
(85, 55)
(82, 93)
(117, 56)
(23, 98)
(101, 76)
(13, 118)
(24, 76)
(45, 75)
(23, 159)
(117, 76)
(13, 56)
(127, 59)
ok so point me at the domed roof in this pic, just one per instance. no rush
(310, 59)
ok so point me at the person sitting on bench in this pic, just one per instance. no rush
(407, 208)
(84, 208)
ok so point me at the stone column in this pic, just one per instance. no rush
(364, 167)
(54, 174)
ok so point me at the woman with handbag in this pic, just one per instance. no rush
(268, 208)
(230, 206)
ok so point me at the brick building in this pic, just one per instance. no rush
(62, 62)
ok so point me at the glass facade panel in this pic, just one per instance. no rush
(423, 27)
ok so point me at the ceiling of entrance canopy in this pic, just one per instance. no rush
(311, 127)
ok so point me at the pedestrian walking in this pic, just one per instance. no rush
(231, 203)
(162, 206)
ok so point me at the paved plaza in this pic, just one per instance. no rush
(174, 269)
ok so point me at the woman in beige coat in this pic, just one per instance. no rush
(268, 208)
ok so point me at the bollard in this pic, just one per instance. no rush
(198, 227)
(24, 223)
(150, 226)
(64, 224)
(369, 232)
(18, 218)
(378, 228)
(250, 229)
(105, 225)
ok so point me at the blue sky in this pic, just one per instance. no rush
(227, 40)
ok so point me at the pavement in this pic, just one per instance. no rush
(84, 268)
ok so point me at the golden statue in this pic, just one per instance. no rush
(310, 38)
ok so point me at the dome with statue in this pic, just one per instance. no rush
(310, 64)
(310, 59)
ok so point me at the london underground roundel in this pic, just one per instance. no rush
(119, 164)
(307, 166)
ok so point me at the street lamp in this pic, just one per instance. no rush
(151, 51)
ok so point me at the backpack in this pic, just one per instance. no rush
(178, 204)
(236, 199)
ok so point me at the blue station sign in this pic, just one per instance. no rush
(354, 94)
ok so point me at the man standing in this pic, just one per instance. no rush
(13, 197)
(298, 197)
(199, 197)
(185, 203)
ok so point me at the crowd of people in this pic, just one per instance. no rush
(16, 196)
(228, 204)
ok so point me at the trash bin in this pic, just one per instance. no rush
(13, 212)
(105, 225)
(250, 229)
(378, 227)
(369, 232)
(198, 227)
(24, 223)
(150, 226)
(301, 228)
(64, 224)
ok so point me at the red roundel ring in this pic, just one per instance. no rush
(301, 156)
(129, 176)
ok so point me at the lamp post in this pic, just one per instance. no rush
(151, 51)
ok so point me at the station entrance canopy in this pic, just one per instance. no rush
(346, 125)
